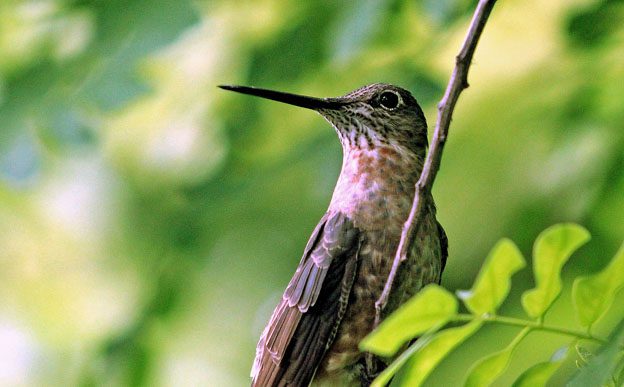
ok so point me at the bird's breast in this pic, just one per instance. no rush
(376, 187)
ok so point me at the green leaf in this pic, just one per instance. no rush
(601, 367)
(539, 374)
(424, 361)
(485, 371)
(494, 280)
(593, 295)
(432, 306)
(387, 374)
(551, 251)
(488, 369)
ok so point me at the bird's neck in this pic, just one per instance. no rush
(376, 185)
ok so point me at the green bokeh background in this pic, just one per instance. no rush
(149, 221)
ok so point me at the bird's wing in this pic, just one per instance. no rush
(306, 320)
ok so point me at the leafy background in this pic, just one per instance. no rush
(149, 221)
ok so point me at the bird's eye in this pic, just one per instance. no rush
(389, 100)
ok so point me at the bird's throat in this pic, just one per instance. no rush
(376, 186)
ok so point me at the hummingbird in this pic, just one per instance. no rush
(328, 306)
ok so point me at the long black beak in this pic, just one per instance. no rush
(291, 99)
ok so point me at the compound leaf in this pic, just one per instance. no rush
(494, 280)
(432, 306)
(539, 374)
(423, 362)
(551, 251)
(593, 295)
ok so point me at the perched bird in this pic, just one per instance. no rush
(329, 304)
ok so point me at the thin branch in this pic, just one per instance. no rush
(457, 83)
(534, 325)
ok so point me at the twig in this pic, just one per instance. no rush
(533, 325)
(457, 83)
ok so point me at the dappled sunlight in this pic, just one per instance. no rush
(19, 355)
(173, 132)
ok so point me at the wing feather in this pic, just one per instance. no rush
(304, 322)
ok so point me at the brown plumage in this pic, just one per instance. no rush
(328, 306)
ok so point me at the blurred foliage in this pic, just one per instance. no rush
(149, 221)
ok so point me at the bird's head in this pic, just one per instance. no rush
(375, 115)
